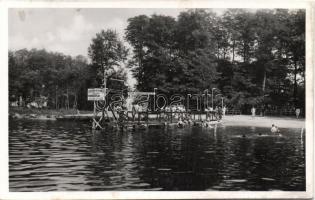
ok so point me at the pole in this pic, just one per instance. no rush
(207, 98)
(94, 116)
(203, 101)
(222, 102)
(56, 98)
(154, 99)
(105, 80)
(212, 98)
(197, 97)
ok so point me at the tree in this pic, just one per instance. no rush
(296, 48)
(172, 55)
(60, 78)
(136, 36)
(107, 51)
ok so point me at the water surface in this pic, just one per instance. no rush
(67, 156)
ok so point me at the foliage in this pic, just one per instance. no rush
(253, 57)
(107, 52)
(54, 75)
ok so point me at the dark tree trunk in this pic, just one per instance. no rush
(233, 51)
(264, 82)
(56, 100)
(244, 52)
(295, 84)
(67, 105)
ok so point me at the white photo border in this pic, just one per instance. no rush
(309, 151)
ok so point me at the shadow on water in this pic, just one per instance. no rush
(66, 156)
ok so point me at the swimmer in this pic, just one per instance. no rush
(190, 122)
(203, 124)
(273, 129)
(209, 124)
(186, 122)
(180, 123)
(278, 130)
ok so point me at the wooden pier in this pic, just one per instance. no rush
(147, 119)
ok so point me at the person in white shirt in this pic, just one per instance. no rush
(224, 110)
(253, 110)
(297, 112)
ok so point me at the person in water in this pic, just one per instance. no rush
(278, 130)
(208, 124)
(275, 129)
(203, 124)
(180, 123)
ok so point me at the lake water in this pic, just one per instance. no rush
(67, 156)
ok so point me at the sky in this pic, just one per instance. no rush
(69, 30)
(66, 30)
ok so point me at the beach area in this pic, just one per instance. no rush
(266, 121)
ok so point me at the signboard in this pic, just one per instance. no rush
(96, 94)
(140, 93)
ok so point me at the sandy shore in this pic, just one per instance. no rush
(245, 120)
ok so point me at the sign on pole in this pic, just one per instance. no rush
(96, 94)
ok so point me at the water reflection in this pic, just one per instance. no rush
(65, 156)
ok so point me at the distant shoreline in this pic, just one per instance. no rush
(228, 120)
(41, 114)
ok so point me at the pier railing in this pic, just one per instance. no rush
(169, 116)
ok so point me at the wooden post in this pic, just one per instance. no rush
(139, 116)
(56, 100)
(147, 118)
(93, 123)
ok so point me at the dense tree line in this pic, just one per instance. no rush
(63, 79)
(252, 57)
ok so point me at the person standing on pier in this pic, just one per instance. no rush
(223, 110)
(207, 113)
(216, 112)
(220, 113)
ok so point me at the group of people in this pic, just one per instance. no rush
(218, 112)
(187, 121)
(206, 124)
(184, 121)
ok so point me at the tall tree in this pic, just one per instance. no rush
(107, 51)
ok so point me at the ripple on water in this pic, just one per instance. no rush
(66, 156)
(268, 179)
(236, 181)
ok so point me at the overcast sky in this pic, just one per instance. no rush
(68, 30)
